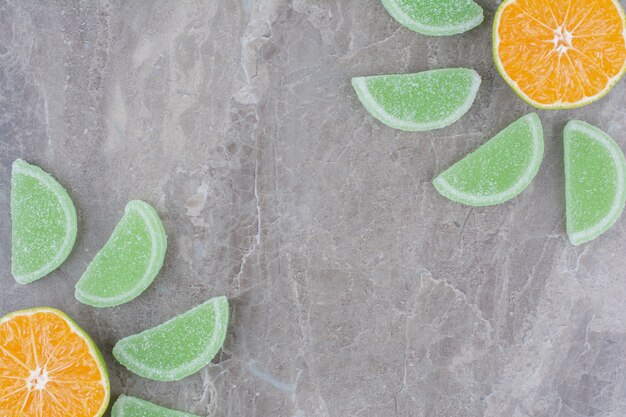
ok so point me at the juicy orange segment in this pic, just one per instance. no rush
(49, 367)
(560, 53)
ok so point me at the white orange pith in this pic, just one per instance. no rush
(49, 367)
(560, 53)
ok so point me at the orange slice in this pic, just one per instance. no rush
(49, 367)
(559, 54)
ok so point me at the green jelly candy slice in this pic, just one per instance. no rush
(128, 262)
(418, 102)
(436, 17)
(499, 170)
(127, 406)
(594, 181)
(44, 223)
(179, 347)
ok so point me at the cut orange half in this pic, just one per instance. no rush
(49, 367)
(559, 54)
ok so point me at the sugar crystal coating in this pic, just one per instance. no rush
(419, 102)
(44, 223)
(128, 262)
(498, 170)
(594, 181)
(179, 347)
(127, 406)
(436, 17)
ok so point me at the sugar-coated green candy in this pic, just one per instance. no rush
(44, 223)
(418, 102)
(128, 262)
(179, 347)
(594, 181)
(127, 406)
(498, 170)
(436, 17)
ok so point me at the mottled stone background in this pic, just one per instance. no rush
(356, 289)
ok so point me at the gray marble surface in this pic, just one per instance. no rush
(356, 289)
